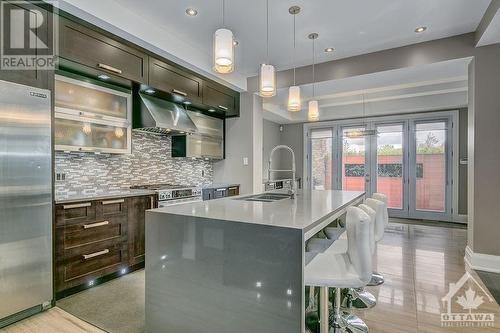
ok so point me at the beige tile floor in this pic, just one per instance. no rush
(418, 263)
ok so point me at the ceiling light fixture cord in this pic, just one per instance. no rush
(294, 46)
(314, 74)
(223, 8)
(267, 33)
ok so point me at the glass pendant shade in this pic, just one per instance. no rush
(313, 111)
(223, 51)
(267, 81)
(294, 99)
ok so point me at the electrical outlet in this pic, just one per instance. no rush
(245, 160)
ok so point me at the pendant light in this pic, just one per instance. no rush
(223, 48)
(294, 103)
(267, 73)
(353, 134)
(313, 109)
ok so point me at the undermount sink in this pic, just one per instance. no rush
(265, 197)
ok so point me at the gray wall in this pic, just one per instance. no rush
(150, 162)
(243, 140)
(271, 138)
(485, 117)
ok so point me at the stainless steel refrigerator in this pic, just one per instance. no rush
(25, 201)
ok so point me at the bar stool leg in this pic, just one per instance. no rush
(377, 279)
(323, 310)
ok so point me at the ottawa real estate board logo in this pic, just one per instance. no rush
(463, 302)
(28, 35)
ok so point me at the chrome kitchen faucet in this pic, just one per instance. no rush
(291, 192)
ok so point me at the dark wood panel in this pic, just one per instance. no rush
(36, 77)
(172, 80)
(86, 233)
(75, 212)
(136, 227)
(76, 266)
(218, 99)
(88, 47)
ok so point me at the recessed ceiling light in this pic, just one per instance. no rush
(103, 77)
(329, 49)
(191, 12)
(236, 43)
(149, 91)
(211, 110)
(420, 29)
(186, 102)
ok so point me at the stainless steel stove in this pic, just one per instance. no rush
(170, 194)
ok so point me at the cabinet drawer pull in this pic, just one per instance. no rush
(110, 68)
(233, 188)
(110, 202)
(95, 254)
(79, 205)
(223, 107)
(178, 92)
(95, 225)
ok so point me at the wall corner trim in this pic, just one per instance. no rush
(482, 262)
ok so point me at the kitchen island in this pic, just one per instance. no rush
(234, 264)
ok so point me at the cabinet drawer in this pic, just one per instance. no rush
(92, 232)
(112, 207)
(75, 212)
(90, 48)
(85, 263)
(172, 80)
(218, 99)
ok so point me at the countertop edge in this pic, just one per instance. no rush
(104, 196)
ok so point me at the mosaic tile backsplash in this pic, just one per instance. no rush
(150, 162)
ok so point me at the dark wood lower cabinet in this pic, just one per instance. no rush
(137, 228)
(97, 240)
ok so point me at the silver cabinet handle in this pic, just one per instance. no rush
(109, 68)
(95, 225)
(79, 205)
(223, 107)
(95, 254)
(110, 202)
(178, 92)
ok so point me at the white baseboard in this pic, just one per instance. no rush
(482, 262)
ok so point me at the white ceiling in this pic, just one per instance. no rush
(436, 86)
(352, 27)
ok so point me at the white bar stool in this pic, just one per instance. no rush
(351, 269)
(380, 225)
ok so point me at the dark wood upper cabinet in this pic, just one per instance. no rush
(220, 100)
(87, 47)
(175, 81)
(37, 77)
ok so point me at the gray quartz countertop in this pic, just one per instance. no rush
(306, 211)
(78, 197)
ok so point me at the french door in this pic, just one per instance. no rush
(409, 160)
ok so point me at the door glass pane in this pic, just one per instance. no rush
(353, 161)
(390, 163)
(72, 133)
(321, 159)
(431, 166)
(91, 99)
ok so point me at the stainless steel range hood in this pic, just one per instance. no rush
(162, 117)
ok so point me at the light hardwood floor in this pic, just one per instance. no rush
(54, 320)
(418, 263)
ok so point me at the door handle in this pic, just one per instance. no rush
(95, 225)
(109, 68)
(95, 254)
(178, 92)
